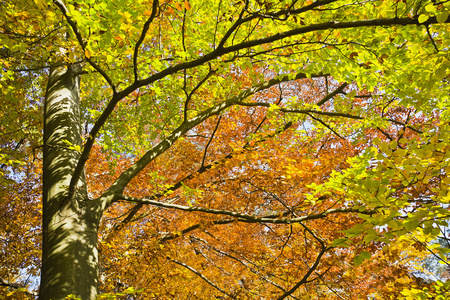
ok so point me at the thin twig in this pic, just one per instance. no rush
(210, 140)
(201, 276)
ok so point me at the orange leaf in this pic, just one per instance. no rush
(178, 6)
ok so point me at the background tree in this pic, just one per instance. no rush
(239, 149)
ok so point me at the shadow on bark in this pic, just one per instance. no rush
(69, 256)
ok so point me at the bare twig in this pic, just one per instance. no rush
(202, 277)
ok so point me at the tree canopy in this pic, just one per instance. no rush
(251, 149)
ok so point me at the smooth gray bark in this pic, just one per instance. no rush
(69, 254)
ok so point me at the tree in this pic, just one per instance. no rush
(247, 113)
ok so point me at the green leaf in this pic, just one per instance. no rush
(341, 243)
(364, 255)
(411, 224)
(443, 16)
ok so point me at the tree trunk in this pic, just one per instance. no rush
(69, 254)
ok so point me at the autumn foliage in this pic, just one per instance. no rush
(224, 149)
(258, 168)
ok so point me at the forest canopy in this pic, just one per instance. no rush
(250, 149)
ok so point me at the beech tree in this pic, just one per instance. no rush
(239, 149)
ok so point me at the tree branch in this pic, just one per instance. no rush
(306, 276)
(326, 125)
(189, 95)
(339, 90)
(172, 236)
(328, 26)
(201, 276)
(236, 25)
(209, 141)
(245, 218)
(4, 282)
(142, 37)
(431, 39)
(323, 113)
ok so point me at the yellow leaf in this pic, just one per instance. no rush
(127, 16)
(41, 4)
(187, 5)
(423, 18)
(86, 52)
(10, 294)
